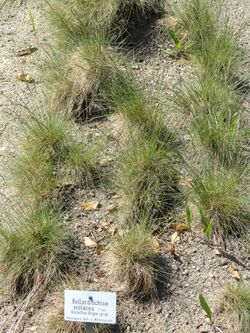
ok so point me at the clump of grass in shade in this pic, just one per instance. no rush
(235, 305)
(32, 248)
(223, 194)
(147, 176)
(216, 111)
(210, 38)
(134, 11)
(134, 260)
(51, 153)
(54, 312)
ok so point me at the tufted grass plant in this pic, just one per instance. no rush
(50, 154)
(73, 20)
(76, 76)
(216, 117)
(210, 38)
(200, 19)
(223, 194)
(235, 305)
(33, 245)
(134, 260)
(147, 176)
(221, 56)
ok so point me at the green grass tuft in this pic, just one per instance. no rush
(134, 260)
(214, 45)
(147, 176)
(216, 117)
(235, 304)
(33, 244)
(224, 195)
(51, 155)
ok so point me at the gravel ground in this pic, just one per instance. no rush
(196, 267)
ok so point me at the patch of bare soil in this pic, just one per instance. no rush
(195, 267)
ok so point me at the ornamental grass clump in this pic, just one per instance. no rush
(216, 117)
(33, 249)
(223, 194)
(235, 306)
(51, 155)
(76, 76)
(210, 38)
(147, 176)
(134, 260)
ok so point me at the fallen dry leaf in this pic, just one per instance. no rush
(27, 51)
(24, 78)
(217, 252)
(90, 242)
(175, 238)
(235, 273)
(90, 205)
(180, 227)
(155, 244)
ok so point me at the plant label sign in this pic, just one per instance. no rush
(90, 306)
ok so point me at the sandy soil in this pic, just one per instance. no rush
(197, 267)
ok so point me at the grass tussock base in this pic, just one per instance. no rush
(224, 196)
(32, 251)
(134, 260)
(147, 176)
(235, 305)
(210, 38)
(216, 117)
(50, 156)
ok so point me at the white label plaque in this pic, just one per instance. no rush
(90, 306)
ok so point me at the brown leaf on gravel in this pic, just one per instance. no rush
(180, 227)
(90, 242)
(217, 252)
(27, 51)
(24, 78)
(90, 205)
(175, 238)
(235, 273)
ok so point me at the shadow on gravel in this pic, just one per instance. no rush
(136, 29)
